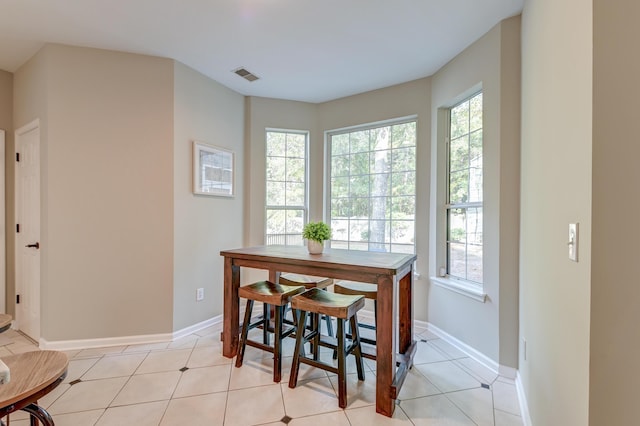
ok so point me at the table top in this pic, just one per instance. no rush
(380, 262)
(30, 373)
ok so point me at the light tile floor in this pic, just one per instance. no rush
(141, 385)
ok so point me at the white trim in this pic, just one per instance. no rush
(66, 345)
(473, 353)
(460, 287)
(522, 400)
(197, 327)
(502, 370)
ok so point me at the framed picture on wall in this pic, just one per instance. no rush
(213, 170)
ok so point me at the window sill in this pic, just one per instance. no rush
(460, 287)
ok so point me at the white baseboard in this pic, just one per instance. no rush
(522, 400)
(197, 327)
(68, 345)
(502, 370)
(472, 352)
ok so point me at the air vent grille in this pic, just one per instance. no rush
(242, 72)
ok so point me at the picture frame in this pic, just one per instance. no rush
(213, 170)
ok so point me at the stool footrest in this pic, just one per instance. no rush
(318, 364)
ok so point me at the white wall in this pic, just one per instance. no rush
(492, 63)
(555, 191)
(203, 225)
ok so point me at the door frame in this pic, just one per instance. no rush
(35, 124)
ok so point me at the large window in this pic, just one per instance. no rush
(464, 191)
(372, 195)
(286, 180)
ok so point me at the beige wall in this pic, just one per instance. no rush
(498, 320)
(6, 124)
(555, 191)
(398, 101)
(615, 317)
(203, 225)
(29, 103)
(493, 64)
(107, 190)
(263, 113)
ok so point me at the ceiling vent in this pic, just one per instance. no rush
(246, 74)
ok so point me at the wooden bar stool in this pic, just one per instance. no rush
(309, 282)
(369, 291)
(343, 308)
(278, 296)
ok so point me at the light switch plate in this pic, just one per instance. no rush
(573, 242)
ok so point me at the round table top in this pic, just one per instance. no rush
(30, 373)
(5, 321)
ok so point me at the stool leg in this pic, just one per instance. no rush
(245, 333)
(277, 345)
(357, 352)
(342, 379)
(315, 320)
(329, 325)
(266, 315)
(295, 364)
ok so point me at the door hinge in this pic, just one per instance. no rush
(18, 157)
(17, 228)
(17, 299)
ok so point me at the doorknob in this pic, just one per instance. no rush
(36, 245)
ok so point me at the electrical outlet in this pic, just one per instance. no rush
(199, 294)
(524, 349)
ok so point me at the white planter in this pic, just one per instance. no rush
(315, 247)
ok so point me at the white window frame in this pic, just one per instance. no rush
(305, 206)
(369, 126)
(441, 278)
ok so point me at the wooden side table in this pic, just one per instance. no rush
(33, 375)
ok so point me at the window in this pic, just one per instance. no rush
(372, 195)
(286, 180)
(464, 191)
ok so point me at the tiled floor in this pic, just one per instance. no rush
(149, 385)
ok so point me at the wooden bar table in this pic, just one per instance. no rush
(33, 375)
(392, 272)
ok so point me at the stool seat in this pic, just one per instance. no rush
(268, 292)
(331, 304)
(344, 307)
(370, 291)
(308, 281)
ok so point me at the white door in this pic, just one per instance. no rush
(28, 230)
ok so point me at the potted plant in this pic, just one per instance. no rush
(316, 233)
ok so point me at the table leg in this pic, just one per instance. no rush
(385, 345)
(231, 318)
(406, 311)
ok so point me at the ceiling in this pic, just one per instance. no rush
(301, 50)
